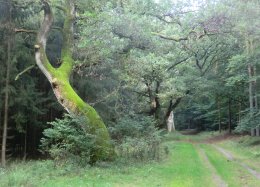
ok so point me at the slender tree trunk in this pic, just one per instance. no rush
(255, 88)
(239, 111)
(250, 89)
(59, 79)
(219, 116)
(25, 144)
(5, 126)
(229, 116)
(250, 69)
(254, 76)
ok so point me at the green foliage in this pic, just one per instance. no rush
(68, 140)
(136, 138)
(249, 120)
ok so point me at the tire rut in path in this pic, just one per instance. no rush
(217, 179)
(230, 157)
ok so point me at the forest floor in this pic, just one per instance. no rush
(205, 159)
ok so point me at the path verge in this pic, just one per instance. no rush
(230, 157)
(216, 178)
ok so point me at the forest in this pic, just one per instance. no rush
(130, 93)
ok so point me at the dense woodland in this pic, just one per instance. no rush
(121, 69)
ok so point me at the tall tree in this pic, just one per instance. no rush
(59, 77)
(9, 37)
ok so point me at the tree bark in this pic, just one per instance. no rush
(25, 143)
(7, 79)
(252, 83)
(171, 107)
(229, 116)
(6, 103)
(239, 111)
(255, 88)
(250, 89)
(219, 116)
(154, 100)
(254, 76)
(170, 122)
(59, 79)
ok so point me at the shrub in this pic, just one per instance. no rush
(248, 121)
(136, 138)
(68, 140)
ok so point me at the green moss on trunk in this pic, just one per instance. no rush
(59, 78)
(70, 100)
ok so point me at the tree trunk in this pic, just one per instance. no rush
(250, 89)
(170, 122)
(59, 79)
(219, 116)
(257, 73)
(170, 109)
(254, 76)
(229, 116)
(255, 88)
(252, 82)
(25, 143)
(154, 101)
(239, 111)
(5, 126)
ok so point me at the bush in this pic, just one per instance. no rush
(136, 138)
(68, 140)
(248, 121)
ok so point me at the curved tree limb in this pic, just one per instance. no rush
(16, 30)
(178, 39)
(177, 63)
(66, 50)
(170, 37)
(40, 54)
(24, 71)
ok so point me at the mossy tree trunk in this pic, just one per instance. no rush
(59, 79)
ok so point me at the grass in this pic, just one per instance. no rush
(246, 149)
(184, 167)
(232, 173)
(176, 136)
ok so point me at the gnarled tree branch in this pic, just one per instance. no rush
(170, 37)
(16, 30)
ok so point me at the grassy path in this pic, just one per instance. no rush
(211, 169)
(231, 172)
(190, 164)
(231, 157)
